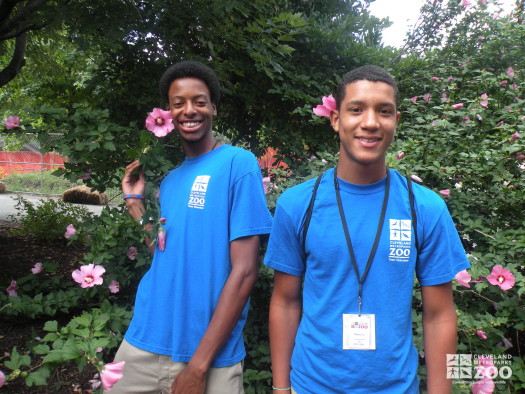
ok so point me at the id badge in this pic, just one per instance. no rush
(359, 332)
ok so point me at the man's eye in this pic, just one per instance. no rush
(201, 103)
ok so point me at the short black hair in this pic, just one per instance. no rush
(365, 73)
(190, 69)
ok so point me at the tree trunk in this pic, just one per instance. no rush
(17, 62)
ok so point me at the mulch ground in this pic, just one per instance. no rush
(18, 254)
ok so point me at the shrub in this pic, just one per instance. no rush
(48, 219)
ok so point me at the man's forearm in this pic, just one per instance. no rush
(231, 303)
(284, 321)
(440, 340)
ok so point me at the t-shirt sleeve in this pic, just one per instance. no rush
(249, 211)
(441, 254)
(285, 252)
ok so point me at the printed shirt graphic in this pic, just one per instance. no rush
(400, 240)
(198, 192)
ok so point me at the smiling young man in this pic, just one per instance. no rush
(341, 308)
(191, 306)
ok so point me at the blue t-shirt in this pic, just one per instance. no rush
(319, 363)
(208, 201)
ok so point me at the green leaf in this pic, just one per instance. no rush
(51, 325)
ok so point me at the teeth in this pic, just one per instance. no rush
(368, 140)
(190, 124)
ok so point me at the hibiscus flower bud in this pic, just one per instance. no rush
(481, 334)
(161, 238)
(111, 374)
(11, 289)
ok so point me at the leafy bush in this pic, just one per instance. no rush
(48, 219)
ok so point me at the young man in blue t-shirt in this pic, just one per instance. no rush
(341, 308)
(191, 306)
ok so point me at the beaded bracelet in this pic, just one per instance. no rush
(281, 389)
(139, 196)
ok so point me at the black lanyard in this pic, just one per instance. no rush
(361, 280)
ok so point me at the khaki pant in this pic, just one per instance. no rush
(147, 372)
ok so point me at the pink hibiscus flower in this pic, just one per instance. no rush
(36, 268)
(132, 253)
(414, 99)
(426, 97)
(457, 106)
(445, 193)
(486, 366)
(463, 278)
(159, 122)
(327, 107)
(111, 374)
(435, 79)
(11, 289)
(416, 178)
(465, 3)
(12, 122)
(267, 184)
(114, 286)
(501, 277)
(514, 136)
(70, 231)
(510, 72)
(400, 155)
(2, 378)
(483, 386)
(89, 275)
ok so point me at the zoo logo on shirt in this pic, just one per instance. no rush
(198, 192)
(400, 240)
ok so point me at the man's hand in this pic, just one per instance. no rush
(132, 183)
(189, 381)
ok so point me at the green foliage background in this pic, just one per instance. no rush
(275, 60)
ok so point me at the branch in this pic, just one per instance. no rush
(21, 31)
(22, 15)
(17, 62)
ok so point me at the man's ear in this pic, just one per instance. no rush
(214, 109)
(334, 120)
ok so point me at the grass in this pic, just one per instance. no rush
(43, 183)
(38, 182)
